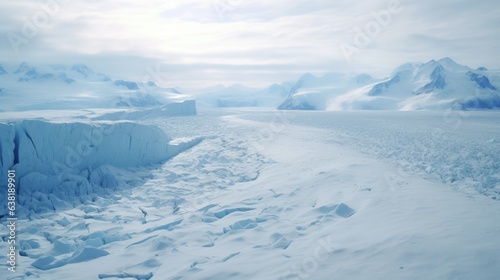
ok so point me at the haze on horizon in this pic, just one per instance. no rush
(252, 42)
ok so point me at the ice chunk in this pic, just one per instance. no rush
(87, 254)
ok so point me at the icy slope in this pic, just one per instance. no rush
(75, 87)
(66, 160)
(241, 96)
(312, 93)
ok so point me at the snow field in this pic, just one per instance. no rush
(459, 148)
(307, 204)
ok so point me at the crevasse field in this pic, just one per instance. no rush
(267, 194)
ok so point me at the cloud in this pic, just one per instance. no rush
(225, 41)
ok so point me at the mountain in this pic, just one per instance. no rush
(441, 84)
(312, 93)
(87, 73)
(29, 87)
(2, 70)
(238, 95)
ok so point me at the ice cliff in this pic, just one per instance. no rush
(58, 161)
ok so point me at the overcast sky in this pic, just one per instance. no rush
(196, 43)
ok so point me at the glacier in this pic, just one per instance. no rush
(128, 189)
(57, 161)
(293, 194)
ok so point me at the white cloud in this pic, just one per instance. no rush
(235, 40)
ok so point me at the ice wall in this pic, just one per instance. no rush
(56, 161)
(41, 146)
(7, 134)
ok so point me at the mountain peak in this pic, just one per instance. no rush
(449, 63)
(2, 70)
(23, 67)
(446, 60)
(363, 78)
(407, 67)
(307, 76)
(237, 86)
(82, 69)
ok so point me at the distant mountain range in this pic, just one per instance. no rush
(238, 95)
(434, 85)
(27, 87)
(312, 93)
(442, 84)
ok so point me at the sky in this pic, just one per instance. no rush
(188, 43)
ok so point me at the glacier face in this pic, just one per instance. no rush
(80, 145)
(7, 135)
(56, 162)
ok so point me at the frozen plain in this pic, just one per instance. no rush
(292, 195)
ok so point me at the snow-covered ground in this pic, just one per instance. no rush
(290, 195)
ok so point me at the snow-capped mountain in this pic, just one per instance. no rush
(58, 73)
(26, 87)
(312, 93)
(441, 84)
(238, 95)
